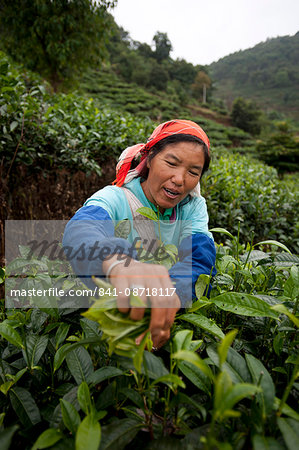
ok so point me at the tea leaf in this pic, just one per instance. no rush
(35, 348)
(80, 364)
(24, 406)
(119, 433)
(70, 416)
(260, 375)
(194, 359)
(148, 212)
(203, 322)
(289, 430)
(47, 439)
(244, 304)
(84, 398)
(196, 376)
(272, 242)
(6, 436)
(104, 373)
(225, 344)
(88, 435)
(11, 335)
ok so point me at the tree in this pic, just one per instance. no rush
(57, 38)
(201, 83)
(247, 116)
(280, 149)
(158, 77)
(163, 46)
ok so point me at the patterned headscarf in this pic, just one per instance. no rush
(124, 173)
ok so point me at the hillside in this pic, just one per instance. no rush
(267, 73)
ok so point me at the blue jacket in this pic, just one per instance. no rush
(90, 236)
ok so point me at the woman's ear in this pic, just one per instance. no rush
(148, 162)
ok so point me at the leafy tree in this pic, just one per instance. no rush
(182, 71)
(247, 116)
(201, 83)
(158, 76)
(57, 38)
(281, 149)
(163, 46)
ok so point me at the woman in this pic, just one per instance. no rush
(166, 179)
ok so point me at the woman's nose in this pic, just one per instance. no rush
(178, 177)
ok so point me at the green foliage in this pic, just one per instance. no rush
(280, 149)
(45, 131)
(163, 46)
(223, 380)
(242, 190)
(267, 73)
(58, 38)
(246, 116)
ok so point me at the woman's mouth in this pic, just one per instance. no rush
(170, 193)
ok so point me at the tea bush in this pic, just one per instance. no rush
(240, 189)
(226, 379)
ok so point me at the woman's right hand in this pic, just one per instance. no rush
(150, 281)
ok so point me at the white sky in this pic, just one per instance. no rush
(202, 31)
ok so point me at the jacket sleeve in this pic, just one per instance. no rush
(197, 255)
(89, 239)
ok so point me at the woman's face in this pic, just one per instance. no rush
(173, 173)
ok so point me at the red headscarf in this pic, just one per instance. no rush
(162, 131)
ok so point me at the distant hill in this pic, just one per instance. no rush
(267, 73)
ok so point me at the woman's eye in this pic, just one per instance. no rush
(170, 163)
(194, 173)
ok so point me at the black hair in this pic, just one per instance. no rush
(159, 146)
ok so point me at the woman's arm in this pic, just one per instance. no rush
(197, 255)
(89, 239)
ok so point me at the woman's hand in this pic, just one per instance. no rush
(150, 281)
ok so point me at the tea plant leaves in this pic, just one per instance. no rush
(80, 364)
(170, 379)
(119, 433)
(84, 398)
(61, 334)
(223, 347)
(47, 439)
(203, 322)
(6, 436)
(196, 376)
(261, 376)
(35, 348)
(88, 435)
(60, 356)
(24, 406)
(182, 340)
(104, 373)
(244, 304)
(194, 359)
(284, 310)
(272, 242)
(148, 212)
(138, 357)
(235, 364)
(286, 409)
(289, 430)
(11, 335)
(201, 285)
(265, 443)
(153, 365)
(70, 397)
(233, 395)
(223, 231)
(70, 416)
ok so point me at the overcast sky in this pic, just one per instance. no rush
(202, 31)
